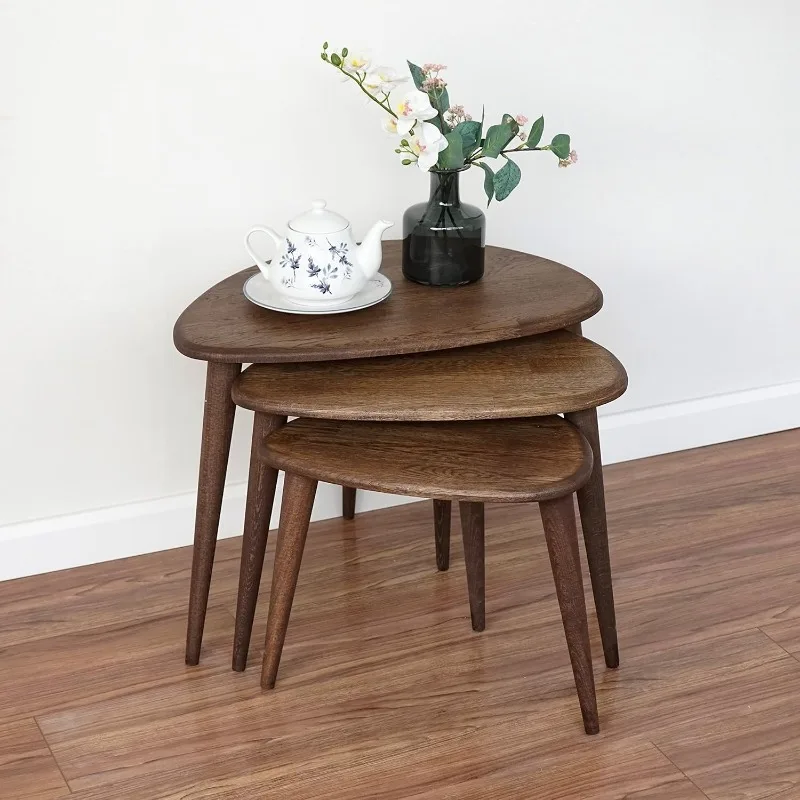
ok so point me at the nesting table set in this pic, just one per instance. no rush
(443, 393)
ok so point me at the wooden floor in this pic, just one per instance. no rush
(384, 690)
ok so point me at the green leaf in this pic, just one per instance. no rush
(506, 179)
(440, 101)
(497, 137)
(535, 136)
(452, 157)
(470, 132)
(560, 145)
(416, 74)
(335, 60)
(488, 181)
(509, 120)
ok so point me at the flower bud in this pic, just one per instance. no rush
(324, 56)
(404, 142)
(398, 150)
(344, 52)
(324, 45)
(335, 60)
(406, 161)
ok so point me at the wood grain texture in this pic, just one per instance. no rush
(258, 510)
(348, 502)
(442, 517)
(520, 295)
(508, 461)
(296, 506)
(558, 519)
(385, 691)
(28, 771)
(592, 505)
(551, 373)
(215, 447)
(472, 535)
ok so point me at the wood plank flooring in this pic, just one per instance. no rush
(384, 690)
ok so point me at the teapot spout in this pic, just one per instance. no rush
(368, 254)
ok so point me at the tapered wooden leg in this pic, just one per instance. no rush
(298, 499)
(472, 534)
(348, 502)
(442, 511)
(260, 496)
(216, 444)
(592, 506)
(558, 518)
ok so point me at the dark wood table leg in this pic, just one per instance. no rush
(217, 429)
(348, 502)
(472, 525)
(442, 511)
(592, 506)
(260, 496)
(558, 518)
(298, 500)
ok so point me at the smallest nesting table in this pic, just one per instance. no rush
(541, 460)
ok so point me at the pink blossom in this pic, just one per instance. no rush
(521, 119)
(572, 158)
(456, 114)
(428, 68)
(431, 84)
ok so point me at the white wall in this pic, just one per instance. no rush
(138, 140)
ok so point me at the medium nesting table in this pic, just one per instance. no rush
(508, 382)
(520, 295)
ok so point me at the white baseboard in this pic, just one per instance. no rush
(29, 548)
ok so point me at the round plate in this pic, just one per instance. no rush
(259, 291)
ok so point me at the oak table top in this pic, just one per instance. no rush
(552, 373)
(520, 295)
(499, 461)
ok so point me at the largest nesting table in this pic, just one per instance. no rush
(520, 295)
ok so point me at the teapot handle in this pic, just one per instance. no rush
(262, 265)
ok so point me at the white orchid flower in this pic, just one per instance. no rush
(413, 106)
(426, 144)
(383, 79)
(390, 125)
(357, 61)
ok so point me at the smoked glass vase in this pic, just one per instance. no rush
(443, 238)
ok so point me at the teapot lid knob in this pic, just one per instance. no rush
(318, 205)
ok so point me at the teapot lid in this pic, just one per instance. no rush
(318, 220)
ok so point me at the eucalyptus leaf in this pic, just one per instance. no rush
(440, 102)
(416, 74)
(470, 132)
(488, 181)
(506, 179)
(560, 145)
(497, 137)
(535, 136)
(509, 120)
(452, 156)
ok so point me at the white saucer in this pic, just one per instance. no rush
(257, 290)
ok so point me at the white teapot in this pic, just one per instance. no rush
(318, 263)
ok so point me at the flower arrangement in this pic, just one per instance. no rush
(437, 135)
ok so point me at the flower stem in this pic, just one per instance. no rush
(520, 149)
(384, 106)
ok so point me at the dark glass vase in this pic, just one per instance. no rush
(443, 239)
